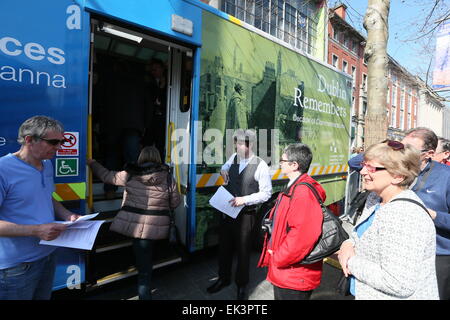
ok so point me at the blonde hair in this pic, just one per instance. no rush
(149, 154)
(404, 162)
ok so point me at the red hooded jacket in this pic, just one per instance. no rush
(300, 212)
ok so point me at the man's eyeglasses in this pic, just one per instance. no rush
(371, 168)
(53, 142)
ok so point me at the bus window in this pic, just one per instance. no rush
(186, 81)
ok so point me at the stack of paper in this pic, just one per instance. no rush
(79, 234)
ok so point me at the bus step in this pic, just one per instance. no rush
(130, 272)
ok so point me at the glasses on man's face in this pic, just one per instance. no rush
(371, 168)
(53, 142)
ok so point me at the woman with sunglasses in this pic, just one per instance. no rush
(391, 250)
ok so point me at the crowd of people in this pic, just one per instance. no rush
(399, 248)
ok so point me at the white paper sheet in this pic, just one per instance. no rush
(79, 234)
(220, 201)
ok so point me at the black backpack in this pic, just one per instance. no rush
(332, 232)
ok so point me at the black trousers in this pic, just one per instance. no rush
(143, 251)
(236, 236)
(443, 276)
(289, 294)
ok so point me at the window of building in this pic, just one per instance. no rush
(393, 116)
(291, 21)
(345, 66)
(336, 34)
(364, 84)
(346, 41)
(355, 46)
(334, 61)
(402, 100)
(408, 103)
(402, 124)
(394, 78)
(354, 76)
(394, 95)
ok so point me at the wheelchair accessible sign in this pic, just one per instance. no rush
(66, 167)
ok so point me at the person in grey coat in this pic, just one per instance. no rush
(391, 250)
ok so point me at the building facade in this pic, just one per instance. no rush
(346, 53)
(409, 102)
(402, 100)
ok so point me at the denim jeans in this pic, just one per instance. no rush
(28, 280)
(143, 251)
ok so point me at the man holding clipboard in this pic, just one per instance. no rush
(247, 179)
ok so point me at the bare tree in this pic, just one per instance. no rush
(376, 24)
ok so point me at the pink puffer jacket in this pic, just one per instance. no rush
(146, 188)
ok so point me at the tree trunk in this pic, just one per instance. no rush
(376, 24)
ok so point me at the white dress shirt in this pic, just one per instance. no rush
(262, 176)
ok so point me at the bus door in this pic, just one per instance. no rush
(136, 101)
(178, 126)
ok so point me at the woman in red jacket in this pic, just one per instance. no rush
(297, 225)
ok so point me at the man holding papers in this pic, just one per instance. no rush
(28, 210)
(247, 180)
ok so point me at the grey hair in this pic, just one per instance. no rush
(300, 153)
(37, 127)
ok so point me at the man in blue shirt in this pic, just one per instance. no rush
(28, 210)
(433, 188)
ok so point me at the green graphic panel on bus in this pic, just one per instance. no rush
(248, 81)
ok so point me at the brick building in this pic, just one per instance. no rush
(346, 53)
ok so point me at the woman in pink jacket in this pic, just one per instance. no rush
(297, 225)
(150, 192)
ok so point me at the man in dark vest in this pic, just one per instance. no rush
(247, 178)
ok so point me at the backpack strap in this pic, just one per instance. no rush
(413, 201)
(314, 191)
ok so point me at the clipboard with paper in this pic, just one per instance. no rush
(221, 201)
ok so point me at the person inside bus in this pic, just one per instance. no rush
(382, 257)
(297, 225)
(156, 112)
(247, 178)
(124, 121)
(150, 192)
(442, 153)
(28, 211)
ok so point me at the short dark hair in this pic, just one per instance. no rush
(300, 153)
(445, 144)
(430, 139)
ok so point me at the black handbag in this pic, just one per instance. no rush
(333, 234)
(343, 285)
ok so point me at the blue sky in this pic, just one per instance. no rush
(406, 17)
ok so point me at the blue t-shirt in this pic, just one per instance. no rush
(360, 229)
(25, 198)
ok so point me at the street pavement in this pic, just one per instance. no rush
(188, 281)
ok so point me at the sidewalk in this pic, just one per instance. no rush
(189, 280)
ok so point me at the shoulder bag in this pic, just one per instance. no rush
(333, 234)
